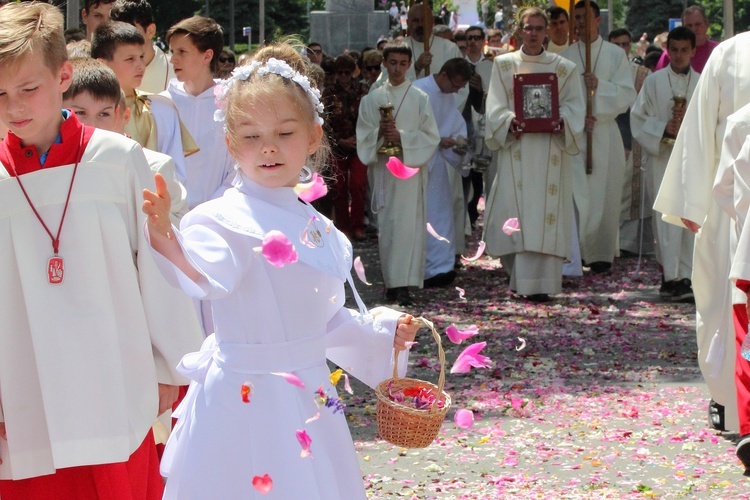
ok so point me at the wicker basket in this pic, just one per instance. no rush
(406, 426)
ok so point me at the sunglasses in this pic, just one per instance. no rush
(475, 37)
(226, 59)
(373, 68)
(531, 29)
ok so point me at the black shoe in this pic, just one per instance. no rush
(391, 294)
(716, 416)
(403, 297)
(666, 290)
(442, 279)
(457, 264)
(743, 452)
(600, 267)
(538, 298)
(683, 291)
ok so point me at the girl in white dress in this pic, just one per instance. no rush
(242, 427)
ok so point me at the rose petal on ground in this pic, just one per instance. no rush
(435, 235)
(523, 344)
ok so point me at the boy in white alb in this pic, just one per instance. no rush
(154, 121)
(196, 44)
(97, 100)
(655, 120)
(91, 330)
(399, 203)
(159, 70)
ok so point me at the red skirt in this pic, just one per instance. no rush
(136, 479)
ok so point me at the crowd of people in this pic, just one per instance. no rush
(409, 134)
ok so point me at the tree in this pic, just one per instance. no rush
(651, 16)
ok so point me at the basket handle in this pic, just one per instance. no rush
(422, 321)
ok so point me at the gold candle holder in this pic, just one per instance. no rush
(680, 101)
(389, 148)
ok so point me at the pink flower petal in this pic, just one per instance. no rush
(359, 268)
(398, 169)
(410, 344)
(511, 226)
(311, 191)
(464, 419)
(461, 293)
(291, 378)
(347, 386)
(457, 336)
(313, 418)
(304, 442)
(480, 251)
(435, 235)
(263, 483)
(523, 344)
(277, 249)
(470, 357)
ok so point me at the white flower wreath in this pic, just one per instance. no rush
(272, 66)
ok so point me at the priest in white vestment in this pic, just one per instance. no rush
(685, 198)
(441, 89)
(611, 83)
(655, 120)
(533, 182)
(399, 203)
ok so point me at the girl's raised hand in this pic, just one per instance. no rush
(406, 330)
(156, 207)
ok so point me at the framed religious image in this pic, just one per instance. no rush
(536, 102)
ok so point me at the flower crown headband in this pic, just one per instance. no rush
(271, 66)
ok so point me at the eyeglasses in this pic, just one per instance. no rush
(622, 44)
(531, 29)
(373, 68)
(315, 51)
(226, 59)
(475, 38)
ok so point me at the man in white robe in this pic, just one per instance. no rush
(685, 199)
(209, 171)
(655, 120)
(399, 203)
(559, 29)
(611, 83)
(533, 182)
(735, 156)
(441, 89)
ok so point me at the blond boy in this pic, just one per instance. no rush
(91, 330)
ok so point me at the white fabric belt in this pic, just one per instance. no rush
(265, 358)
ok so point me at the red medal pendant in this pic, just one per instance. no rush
(55, 270)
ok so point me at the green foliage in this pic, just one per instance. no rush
(169, 12)
(715, 13)
(651, 16)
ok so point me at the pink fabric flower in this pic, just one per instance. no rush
(471, 357)
(464, 419)
(304, 442)
(398, 169)
(511, 226)
(263, 483)
(277, 249)
(291, 378)
(312, 190)
(457, 336)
